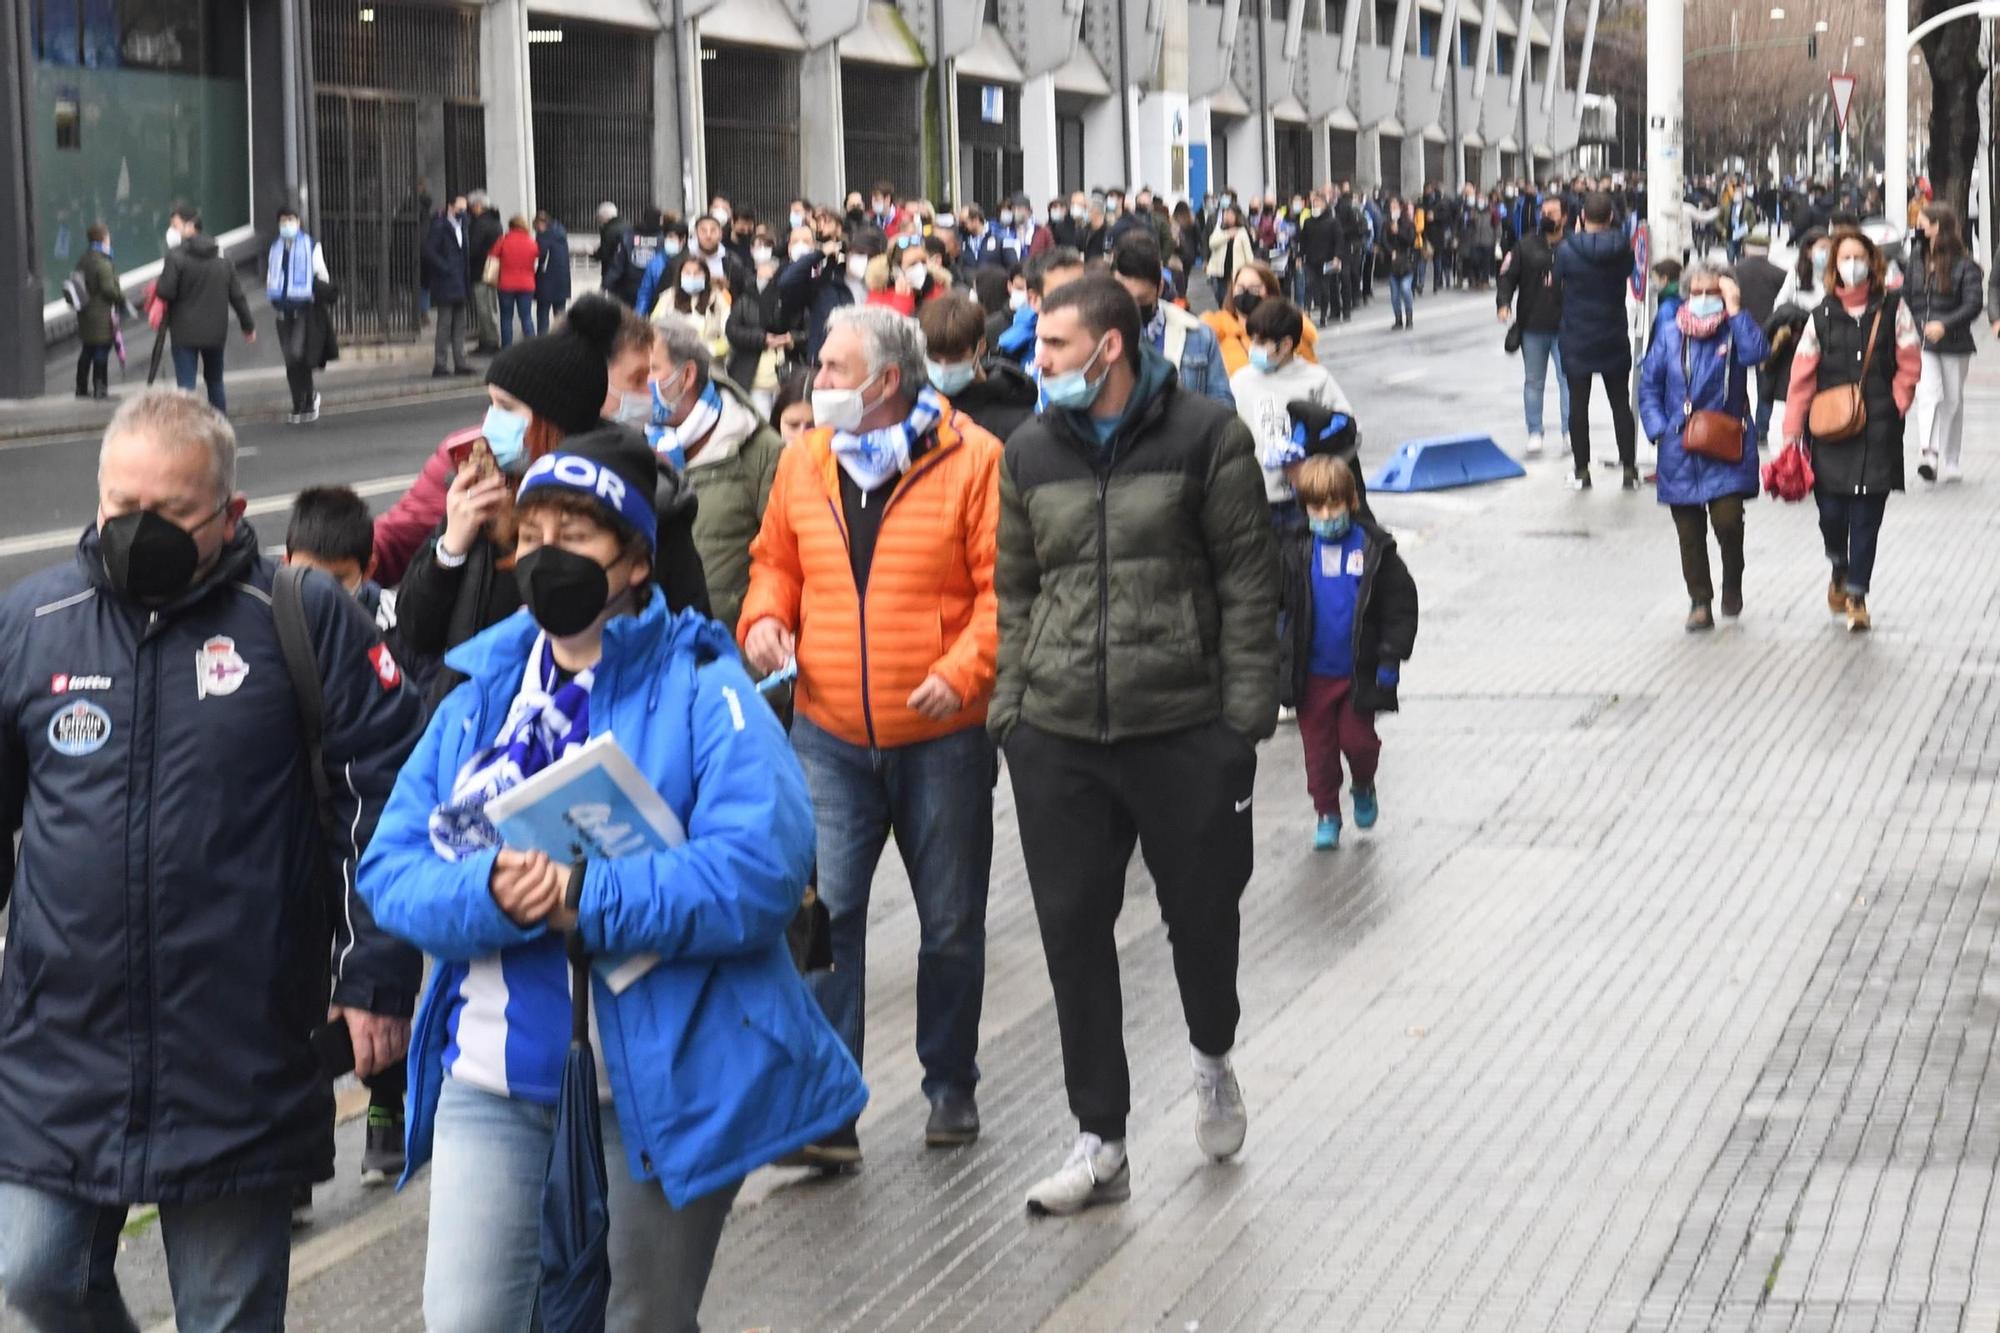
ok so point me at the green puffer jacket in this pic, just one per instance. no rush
(731, 475)
(1138, 583)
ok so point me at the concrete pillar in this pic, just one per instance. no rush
(1160, 122)
(21, 369)
(1247, 138)
(1103, 146)
(1041, 163)
(1322, 145)
(1895, 113)
(822, 127)
(1368, 161)
(1413, 164)
(1489, 167)
(672, 182)
(510, 117)
(1201, 143)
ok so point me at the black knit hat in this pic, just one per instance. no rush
(578, 465)
(563, 376)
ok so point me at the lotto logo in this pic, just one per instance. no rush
(385, 666)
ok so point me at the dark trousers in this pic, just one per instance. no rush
(1850, 524)
(292, 328)
(1184, 798)
(93, 370)
(1330, 729)
(547, 313)
(209, 359)
(450, 337)
(1347, 283)
(1692, 522)
(1616, 389)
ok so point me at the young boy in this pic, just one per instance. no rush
(1265, 389)
(332, 531)
(1349, 610)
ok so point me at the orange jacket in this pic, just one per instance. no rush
(930, 605)
(1235, 342)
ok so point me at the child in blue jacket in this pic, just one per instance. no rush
(715, 1058)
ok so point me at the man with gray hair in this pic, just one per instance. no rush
(481, 236)
(874, 573)
(178, 917)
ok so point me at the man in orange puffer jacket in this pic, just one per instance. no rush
(874, 571)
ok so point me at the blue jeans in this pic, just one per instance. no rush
(483, 1264)
(937, 797)
(210, 360)
(1850, 524)
(1401, 300)
(1536, 351)
(228, 1262)
(512, 304)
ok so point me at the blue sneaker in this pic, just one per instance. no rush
(1327, 836)
(1366, 810)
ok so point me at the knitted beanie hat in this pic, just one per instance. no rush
(611, 465)
(563, 376)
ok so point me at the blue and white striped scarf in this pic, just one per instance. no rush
(874, 458)
(544, 723)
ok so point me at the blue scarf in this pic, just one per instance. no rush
(544, 723)
(670, 441)
(875, 457)
(293, 281)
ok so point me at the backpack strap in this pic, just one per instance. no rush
(288, 611)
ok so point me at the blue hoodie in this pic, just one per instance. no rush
(718, 1058)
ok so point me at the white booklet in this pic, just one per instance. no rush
(593, 802)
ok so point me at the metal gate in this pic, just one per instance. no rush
(464, 148)
(882, 111)
(989, 151)
(750, 103)
(591, 87)
(1292, 145)
(367, 220)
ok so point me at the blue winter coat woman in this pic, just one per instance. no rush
(1701, 362)
(552, 281)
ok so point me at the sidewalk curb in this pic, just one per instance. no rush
(352, 398)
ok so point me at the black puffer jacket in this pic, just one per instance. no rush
(172, 909)
(1870, 463)
(1000, 402)
(1385, 617)
(1954, 305)
(1528, 274)
(200, 288)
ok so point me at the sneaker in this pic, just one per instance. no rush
(382, 1153)
(1927, 466)
(1630, 480)
(440, 373)
(1094, 1172)
(1535, 446)
(1732, 602)
(293, 418)
(1836, 595)
(1327, 836)
(1857, 616)
(312, 413)
(1220, 1122)
(1699, 618)
(302, 1206)
(838, 1151)
(1366, 808)
(954, 1120)
(1953, 474)
(1287, 715)
(1579, 480)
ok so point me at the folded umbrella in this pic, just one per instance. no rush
(576, 1216)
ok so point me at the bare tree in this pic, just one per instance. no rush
(1951, 54)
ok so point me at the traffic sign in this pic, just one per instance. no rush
(1843, 96)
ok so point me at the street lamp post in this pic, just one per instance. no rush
(1665, 40)
(1896, 113)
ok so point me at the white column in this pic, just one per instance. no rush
(1664, 43)
(822, 129)
(1201, 132)
(1159, 123)
(1103, 144)
(510, 123)
(1896, 115)
(1368, 161)
(1041, 164)
(1322, 154)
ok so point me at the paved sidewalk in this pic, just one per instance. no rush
(1661, 997)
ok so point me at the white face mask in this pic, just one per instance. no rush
(841, 409)
(1016, 299)
(1854, 272)
(798, 219)
(917, 275)
(173, 239)
(694, 284)
(800, 251)
(760, 253)
(857, 267)
(721, 216)
(634, 408)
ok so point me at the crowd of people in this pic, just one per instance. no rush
(956, 496)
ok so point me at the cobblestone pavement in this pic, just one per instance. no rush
(1659, 998)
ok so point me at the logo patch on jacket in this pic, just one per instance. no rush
(385, 666)
(218, 668)
(79, 729)
(1355, 561)
(61, 683)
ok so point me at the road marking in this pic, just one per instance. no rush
(57, 539)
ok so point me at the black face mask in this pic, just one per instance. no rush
(1551, 225)
(564, 592)
(148, 558)
(1245, 302)
(1146, 313)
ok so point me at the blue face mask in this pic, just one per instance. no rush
(1705, 307)
(949, 379)
(1262, 359)
(1074, 389)
(506, 435)
(1332, 529)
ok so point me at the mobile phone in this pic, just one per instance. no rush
(461, 451)
(483, 464)
(333, 1044)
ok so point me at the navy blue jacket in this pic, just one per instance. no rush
(1593, 268)
(815, 287)
(552, 265)
(1720, 385)
(447, 271)
(172, 908)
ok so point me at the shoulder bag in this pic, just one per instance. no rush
(1841, 413)
(1716, 435)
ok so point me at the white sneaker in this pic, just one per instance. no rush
(312, 415)
(1220, 1122)
(1953, 474)
(1534, 446)
(1094, 1172)
(1287, 715)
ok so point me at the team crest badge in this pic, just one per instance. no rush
(218, 668)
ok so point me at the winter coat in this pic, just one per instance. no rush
(1399, 239)
(813, 288)
(1870, 463)
(1593, 268)
(175, 910)
(447, 272)
(717, 1058)
(102, 297)
(1385, 617)
(1721, 365)
(1760, 281)
(752, 315)
(552, 279)
(731, 473)
(658, 284)
(929, 607)
(1137, 581)
(408, 523)
(1781, 335)
(1234, 341)
(619, 275)
(1229, 252)
(1319, 241)
(518, 254)
(1000, 401)
(201, 287)
(482, 233)
(1955, 305)
(1528, 274)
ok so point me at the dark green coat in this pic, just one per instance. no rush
(732, 495)
(1138, 584)
(100, 285)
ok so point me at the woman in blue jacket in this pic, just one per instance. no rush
(1701, 363)
(715, 1058)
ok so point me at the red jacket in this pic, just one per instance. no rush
(411, 520)
(517, 252)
